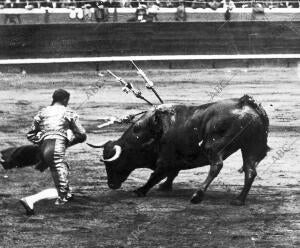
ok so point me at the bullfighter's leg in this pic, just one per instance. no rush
(29, 201)
(60, 172)
(249, 167)
(215, 168)
(53, 151)
(167, 185)
(159, 174)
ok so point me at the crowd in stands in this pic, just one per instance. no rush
(213, 4)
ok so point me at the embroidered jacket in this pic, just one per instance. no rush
(56, 120)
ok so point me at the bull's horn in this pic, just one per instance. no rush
(1, 158)
(118, 152)
(96, 146)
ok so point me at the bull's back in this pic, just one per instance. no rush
(231, 123)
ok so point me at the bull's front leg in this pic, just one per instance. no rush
(215, 168)
(168, 184)
(159, 174)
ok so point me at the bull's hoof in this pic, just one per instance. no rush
(165, 187)
(197, 197)
(237, 202)
(139, 193)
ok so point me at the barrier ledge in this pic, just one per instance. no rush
(147, 58)
(160, 11)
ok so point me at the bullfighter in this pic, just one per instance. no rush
(55, 128)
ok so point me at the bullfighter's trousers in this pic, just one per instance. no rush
(53, 149)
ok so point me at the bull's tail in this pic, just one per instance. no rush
(248, 100)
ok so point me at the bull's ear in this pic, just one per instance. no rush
(163, 119)
(157, 123)
(156, 118)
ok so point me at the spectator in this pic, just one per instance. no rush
(46, 4)
(140, 15)
(244, 5)
(8, 4)
(79, 14)
(285, 4)
(152, 11)
(228, 4)
(168, 4)
(143, 4)
(73, 13)
(258, 7)
(125, 3)
(47, 16)
(101, 11)
(134, 3)
(180, 14)
(114, 3)
(68, 3)
(87, 13)
(19, 4)
(55, 4)
(198, 4)
(214, 4)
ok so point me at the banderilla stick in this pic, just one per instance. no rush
(149, 83)
(128, 87)
(125, 119)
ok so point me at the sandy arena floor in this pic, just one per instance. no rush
(100, 217)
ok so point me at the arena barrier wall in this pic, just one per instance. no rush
(136, 39)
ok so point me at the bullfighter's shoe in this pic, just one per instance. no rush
(60, 201)
(29, 210)
(70, 196)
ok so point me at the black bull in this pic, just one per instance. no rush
(173, 138)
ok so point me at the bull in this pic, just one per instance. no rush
(22, 156)
(170, 138)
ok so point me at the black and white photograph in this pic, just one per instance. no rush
(149, 123)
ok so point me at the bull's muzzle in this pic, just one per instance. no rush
(118, 151)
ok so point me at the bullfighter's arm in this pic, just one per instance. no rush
(77, 129)
(35, 128)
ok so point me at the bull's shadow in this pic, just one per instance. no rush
(110, 201)
(82, 200)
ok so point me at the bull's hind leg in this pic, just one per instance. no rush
(167, 185)
(249, 167)
(215, 168)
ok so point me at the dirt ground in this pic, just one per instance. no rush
(100, 217)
